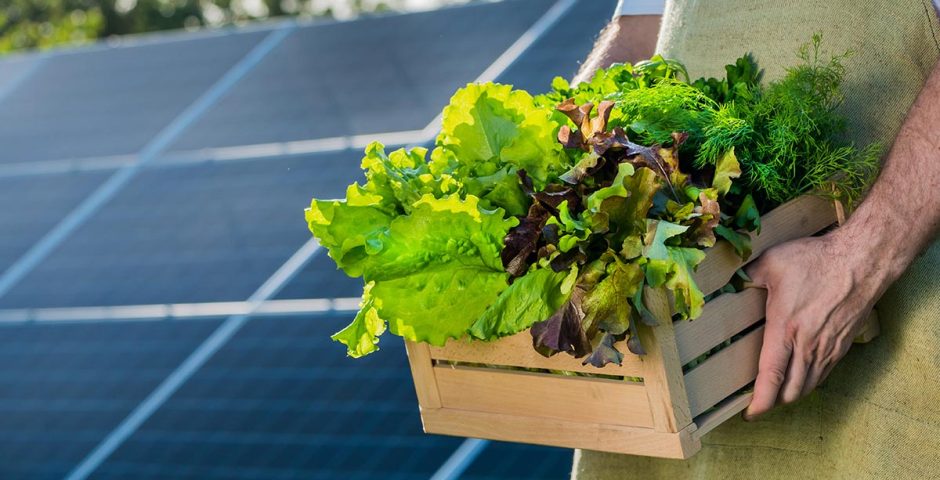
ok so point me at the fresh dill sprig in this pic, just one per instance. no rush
(786, 134)
(652, 114)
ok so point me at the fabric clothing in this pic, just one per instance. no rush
(656, 7)
(878, 414)
(641, 7)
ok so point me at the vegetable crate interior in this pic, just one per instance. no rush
(659, 404)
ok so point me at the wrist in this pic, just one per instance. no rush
(869, 250)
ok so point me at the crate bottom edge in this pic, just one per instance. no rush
(560, 433)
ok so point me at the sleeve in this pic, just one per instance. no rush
(640, 7)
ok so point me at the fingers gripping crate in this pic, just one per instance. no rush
(647, 405)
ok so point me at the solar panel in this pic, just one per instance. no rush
(279, 401)
(321, 279)
(381, 74)
(64, 387)
(12, 70)
(190, 233)
(500, 461)
(114, 99)
(560, 51)
(31, 205)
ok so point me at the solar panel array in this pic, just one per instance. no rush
(173, 169)
(64, 387)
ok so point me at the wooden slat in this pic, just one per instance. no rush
(731, 313)
(561, 433)
(517, 351)
(419, 358)
(721, 319)
(800, 217)
(576, 399)
(728, 408)
(724, 373)
(662, 373)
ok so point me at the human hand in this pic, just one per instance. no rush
(820, 291)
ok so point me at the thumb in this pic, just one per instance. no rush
(757, 272)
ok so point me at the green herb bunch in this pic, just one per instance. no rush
(787, 134)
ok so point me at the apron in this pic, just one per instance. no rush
(878, 414)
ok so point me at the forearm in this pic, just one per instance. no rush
(901, 215)
(629, 38)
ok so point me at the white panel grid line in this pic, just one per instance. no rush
(66, 165)
(274, 284)
(91, 204)
(178, 311)
(460, 460)
(256, 151)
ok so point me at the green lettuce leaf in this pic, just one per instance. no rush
(531, 298)
(642, 185)
(606, 307)
(436, 304)
(658, 232)
(361, 337)
(345, 230)
(689, 300)
(439, 231)
(741, 241)
(395, 181)
(490, 126)
(673, 266)
(438, 269)
(726, 170)
(608, 208)
(616, 189)
(748, 216)
(430, 273)
(499, 190)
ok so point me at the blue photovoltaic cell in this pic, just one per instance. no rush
(562, 49)
(30, 206)
(64, 387)
(280, 401)
(12, 71)
(503, 461)
(321, 279)
(111, 101)
(194, 233)
(381, 74)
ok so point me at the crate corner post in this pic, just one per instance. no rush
(422, 372)
(689, 442)
(662, 370)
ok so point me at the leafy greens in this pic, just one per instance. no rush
(553, 213)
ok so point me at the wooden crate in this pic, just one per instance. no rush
(663, 415)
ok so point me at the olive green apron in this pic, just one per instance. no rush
(878, 415)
